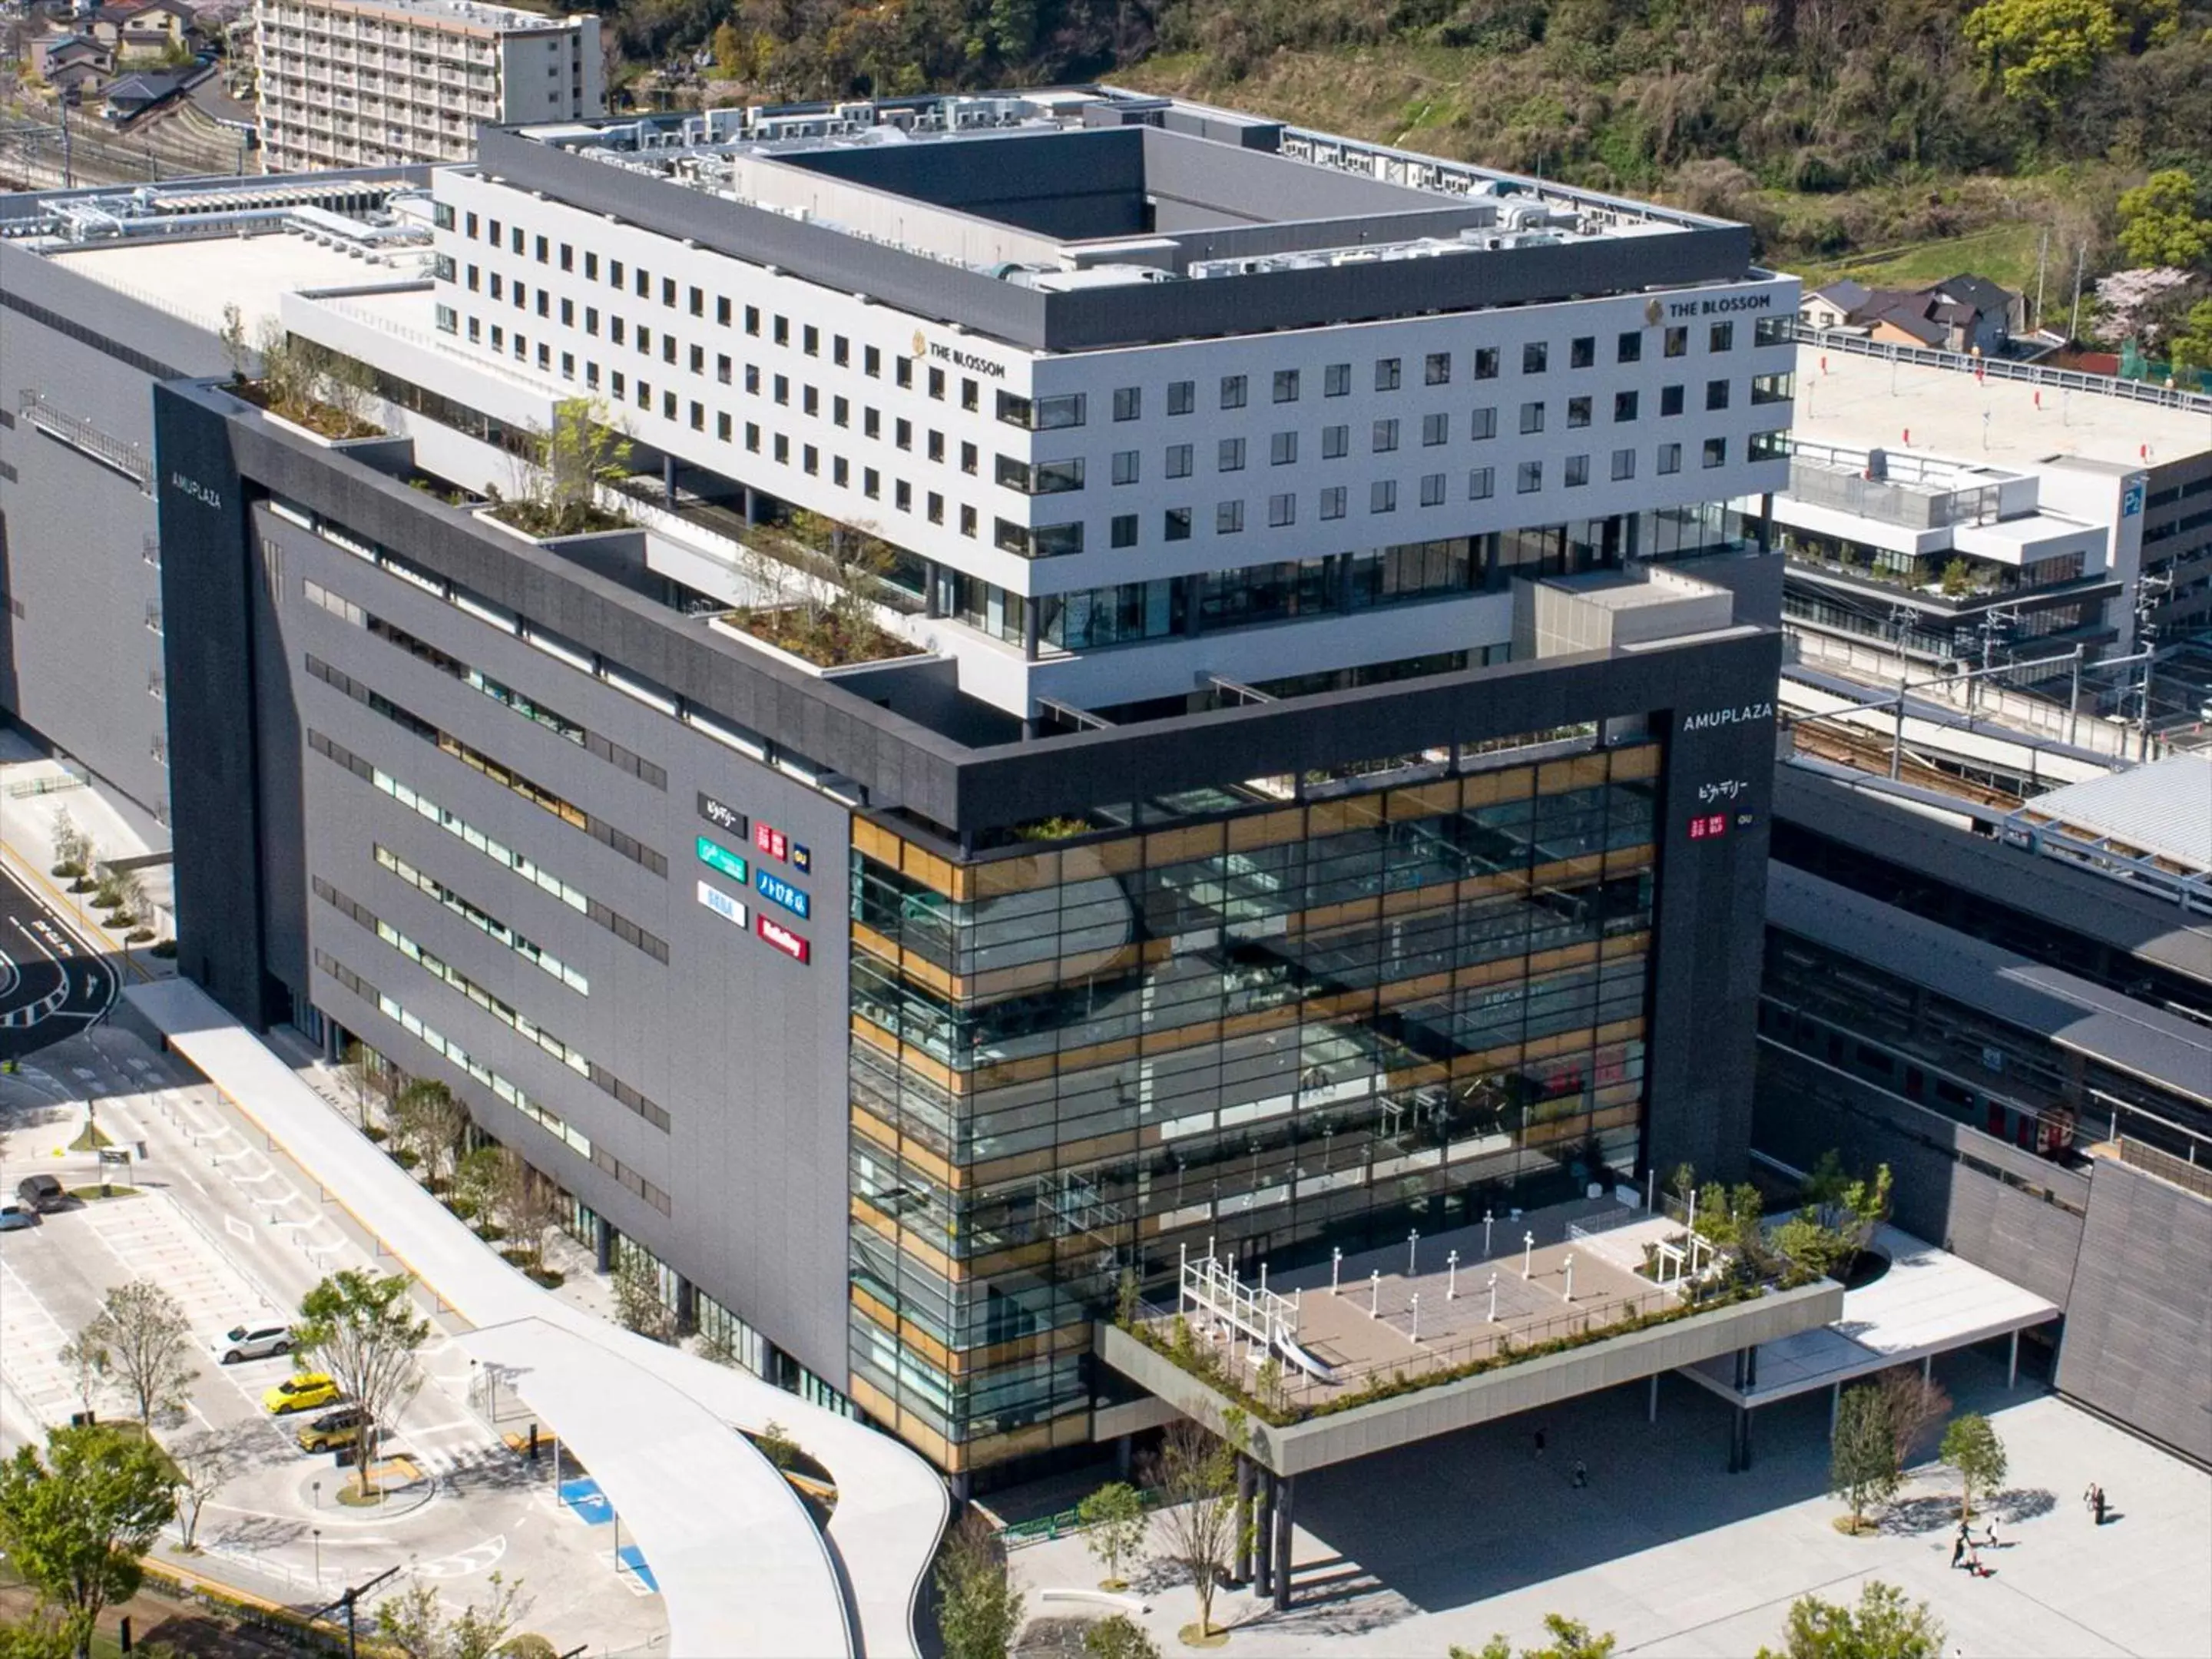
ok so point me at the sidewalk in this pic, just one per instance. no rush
(33, 794)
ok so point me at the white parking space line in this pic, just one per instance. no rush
(30, 1341)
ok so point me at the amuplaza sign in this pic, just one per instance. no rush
(1713, 719)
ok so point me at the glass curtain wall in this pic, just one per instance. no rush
(1295, 1029)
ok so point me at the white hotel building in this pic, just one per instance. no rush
(354, 83)
(1145, 392)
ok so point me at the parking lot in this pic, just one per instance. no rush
(238, 1235)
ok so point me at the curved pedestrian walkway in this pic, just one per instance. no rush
(742, 1567)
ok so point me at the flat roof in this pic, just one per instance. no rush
(174, 273)
(743, 1567)
(1930, 1302)
(2163, 807)
(1845, 397)
(2160, 1048)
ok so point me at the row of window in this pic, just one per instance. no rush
(507, 1092)
(423, 651)
(474, 758)
(482, 920)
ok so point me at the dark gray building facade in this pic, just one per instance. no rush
(893, 1038)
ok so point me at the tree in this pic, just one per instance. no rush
(526, 1204)
(148, 1341)
(365, 1331)
(1571, 1639)
(1114, 1522)
(1862, 1455)
(1883, 1627)
(87, 1361)
(1200, 1519)
(777, 1446)
(475, 1184)
(2041, 50)
(978, 1609)
(415, 1624)
(76, 1523)
(2190, 345)
(1958, 577)
(1119, 1636)
(2159, 223)
(429, 1122)
(565, 467)
(72, 847)
(638, 1304)
(1915, 1405)
(1971, 1447)
(369, 1075)
(204, 1461)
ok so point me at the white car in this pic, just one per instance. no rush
(250, 1342)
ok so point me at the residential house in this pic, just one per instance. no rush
(1964, 314)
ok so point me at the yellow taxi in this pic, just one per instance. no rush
(301, 1393)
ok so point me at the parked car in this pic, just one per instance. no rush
(302, 1393)
(255, 1341)
(42, 1191)
(331, 1429)
(14, 1217)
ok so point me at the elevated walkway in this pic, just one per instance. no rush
(745, 1569)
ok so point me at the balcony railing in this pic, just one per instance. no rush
(81, 435)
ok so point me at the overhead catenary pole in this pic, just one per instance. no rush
(2042, 259)
(2074, 317)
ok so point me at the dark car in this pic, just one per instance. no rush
(331, 1429)
(42, 1191)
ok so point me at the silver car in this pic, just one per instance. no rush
(250, 1342)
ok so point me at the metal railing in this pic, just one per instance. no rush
(81, 435)
(2065, 380)
(2182, 1172)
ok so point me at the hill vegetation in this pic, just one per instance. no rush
(1843, 130)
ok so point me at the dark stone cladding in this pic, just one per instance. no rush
(1147, 313)
(901, 763)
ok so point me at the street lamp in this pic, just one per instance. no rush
(1570, 1275)
(1493, 1298)
(1413, 1246)
(1527, 1251)
(1374, 1292)
(1417, 1316)
(1487, 1218)
(1335, 1267)
(319, 1558)
(1451, 1278)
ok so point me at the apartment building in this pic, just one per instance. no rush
(349, 83)
(1255, 838)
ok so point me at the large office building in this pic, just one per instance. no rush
(1317, 786)
(351, 83)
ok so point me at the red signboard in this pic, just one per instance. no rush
(1704, 828)
(783, 938)
(770, 841)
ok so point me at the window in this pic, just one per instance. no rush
(1182, 396)
(698, 303)
(1577, 470)
(1283, 449)
(1432, 489)
(1670, 400)
(1624, 406)
(783, 450)
(1386, 373)
(1535, 357)
(1581, 351)
(1715, 452)
(1232, 392)
(1578, 411)
(1435, 428)
(722, 426)
(1677, 343)
(698, 415)
(1623, 464)
(971, 394)
(810, 340)
(871, 362)
(1335, 443)
(902, 432)
(1481, 484)
(1336, 380)
(722, 310)
(1286, 386)
(698, 360)
(1382, 496)
(1229, 455)
(1281, 510)
(1721, 337)
(1670, 458)
(1629, 349)
(1176, 524)
(782, 331)
(1125, 466)
(871, 483)
(1531, 418)
(1332, 502)
(936, 448)
(902, 495)
(872, 422)
(752, 436)
(1178, 460)
(1121, 531)
(1128, 403)
(840, 412)
(752, 317)
(1482, 424)
(1716, 394)
(937, 384)
(722, 369)
(1385, 438)
(1532, 478)
(903, 375)
(936, 507)
(968, 521)
(783, 389)
(668, 292)
(1437, 370)
(1486, 363)
(752, 379)
(968, 453)
(841, 351)
(1228, 518)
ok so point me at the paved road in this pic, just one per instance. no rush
(52, 985)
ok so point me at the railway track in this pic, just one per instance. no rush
(1868, 753)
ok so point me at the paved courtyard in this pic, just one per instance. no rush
(1449, 1540)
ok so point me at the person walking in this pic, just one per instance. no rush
(1539, 1443)
(1582, 1473)
(2097, 1503)
(1958, 1550)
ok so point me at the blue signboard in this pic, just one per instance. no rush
(793, 899)
(715, 856)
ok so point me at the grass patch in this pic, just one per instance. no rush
(1850, 1528)
(94, 1194)
(1195, 1635)
(2005, 253)
(90, 1139)
(355, 1498)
